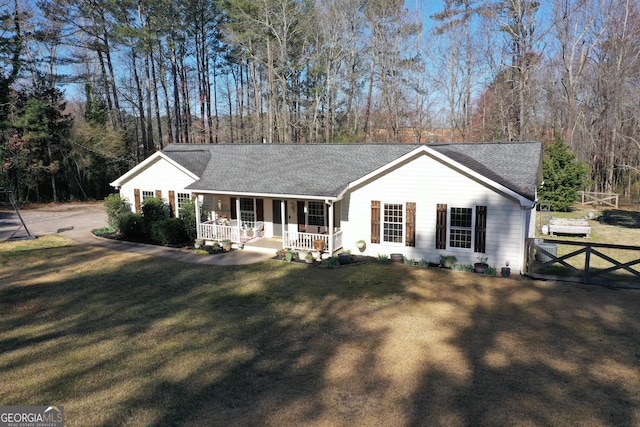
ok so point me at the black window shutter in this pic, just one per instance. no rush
(375, 221)
(234, 212)
(481, 229)
(259, 209)
(441, 226)
(410, 240)
(301, 216)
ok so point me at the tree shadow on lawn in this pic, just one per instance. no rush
(167, 339)
(133, 340)
(539, 353)
(622, 218)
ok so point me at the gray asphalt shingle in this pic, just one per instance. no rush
(325, 170)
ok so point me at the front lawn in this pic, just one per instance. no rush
(125, 339)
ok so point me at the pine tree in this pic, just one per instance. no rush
(44, 130)
(563, 175)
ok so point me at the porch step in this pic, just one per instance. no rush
(264, 246)
(259, 249)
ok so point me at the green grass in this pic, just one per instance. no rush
(103, 231)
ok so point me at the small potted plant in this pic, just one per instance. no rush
(226, 245)
(308, 258)
(318, 244)
(481, 265)
(447, 260)
(361, 244)
(198, 243)
(344, 258)
(506, 270)
(289, 256)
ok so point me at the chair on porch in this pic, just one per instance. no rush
(258, 229)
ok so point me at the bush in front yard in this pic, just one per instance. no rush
(153, 209)
(169, 231)
(188, 215)
(115, 206)
(131, 226)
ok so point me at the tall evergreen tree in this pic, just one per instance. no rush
(563, 176)
(43, 130)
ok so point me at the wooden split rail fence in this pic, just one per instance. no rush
(599, 199)
(580, 265)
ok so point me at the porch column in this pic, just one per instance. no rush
(196, 201)
(238, 218)
(330, 228)
(285, 226)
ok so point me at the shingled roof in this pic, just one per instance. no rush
(326, 170)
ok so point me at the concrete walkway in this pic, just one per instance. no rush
(76, 220)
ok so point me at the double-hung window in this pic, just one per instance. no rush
(147, 195)
(247, 211)
(460, 231)
(461, 227)
(315, 215)
(393, 223)
(181, 199)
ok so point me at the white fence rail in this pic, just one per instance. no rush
(211, 231)
(304, 241)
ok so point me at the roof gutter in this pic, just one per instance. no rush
(326, 199)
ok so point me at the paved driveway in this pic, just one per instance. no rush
(76, 220)
(69, 219)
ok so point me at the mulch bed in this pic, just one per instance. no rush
(355, 260)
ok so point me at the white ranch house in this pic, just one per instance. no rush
(465, 199)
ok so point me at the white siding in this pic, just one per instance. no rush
(428, 182)
(159, 175)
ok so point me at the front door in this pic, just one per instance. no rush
(277, 217)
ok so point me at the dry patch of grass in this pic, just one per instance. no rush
(123, 339)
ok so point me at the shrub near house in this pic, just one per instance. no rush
(152, 225)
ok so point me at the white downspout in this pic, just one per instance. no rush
(525, 229)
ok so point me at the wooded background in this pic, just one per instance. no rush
(89, 88)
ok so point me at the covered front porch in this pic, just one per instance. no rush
(299, 224)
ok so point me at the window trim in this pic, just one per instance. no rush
(403, 222)
(322, 215)
(180, 199)
(252, 212)
(478, 231)
(409, 221)
(470, 229)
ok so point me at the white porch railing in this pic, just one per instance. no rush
(304, 241)
(211, 231)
